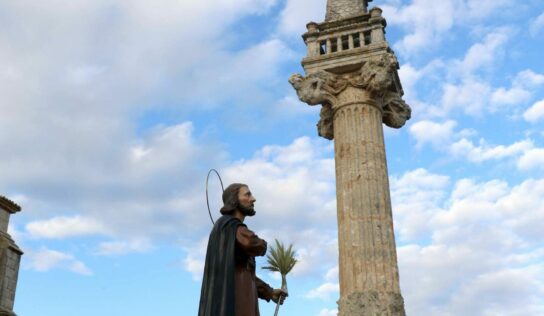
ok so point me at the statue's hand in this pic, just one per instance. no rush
(279, 295)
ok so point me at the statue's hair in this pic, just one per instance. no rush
(230, 198)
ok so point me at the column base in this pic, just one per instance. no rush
(371, 303)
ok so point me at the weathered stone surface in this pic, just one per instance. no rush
(351, 71)
(10, 258)
(340, 9)
(371, 303)
(377, 76)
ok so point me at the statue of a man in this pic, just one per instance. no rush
(229, 285)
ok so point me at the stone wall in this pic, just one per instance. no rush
(339, 9)
(10, 258)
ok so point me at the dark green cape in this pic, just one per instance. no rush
(217, 294)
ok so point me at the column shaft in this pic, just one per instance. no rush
(368, 261)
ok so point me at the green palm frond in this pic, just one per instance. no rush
(281, 259)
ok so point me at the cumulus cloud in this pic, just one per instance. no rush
(532, 159)
(416, 197)
(458, 144)
(411, 77)
(466, 240)
(482, 54)
(467, 91)
(535, 112)
(482, 152)
(483, 236)
(297, 13)
(45, 259)
(537, 25)
(429, 132)
(512, 96)
(523, 87)
(294, 187)
(324, 291)
(142, 187)
(295, 179)
(81, 98)
(195, 257)
(466, 88)
(64, 227)
(528, 78)
(470, 96)
(328, 312)
(427, 20)
(113, 248)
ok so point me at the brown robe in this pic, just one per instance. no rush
(247, 286)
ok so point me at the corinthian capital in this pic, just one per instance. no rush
(377, 76)
(316, 88)
(319, 88)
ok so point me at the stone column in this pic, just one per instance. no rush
(354, 107)
(311, 39)
(367, 253)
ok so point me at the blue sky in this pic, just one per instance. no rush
(113, 111)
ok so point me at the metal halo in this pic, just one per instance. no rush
(207, 199)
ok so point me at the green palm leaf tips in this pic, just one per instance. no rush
(282, 260)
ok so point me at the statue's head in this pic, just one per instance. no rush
(237, 196)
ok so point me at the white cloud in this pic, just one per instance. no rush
(532, 159)
(535, 112)
(64, 227)
(528, 78)
(512, 96)
(514, 286)
(468, 92)
(113, 248)
(484, 235)
(324, 291)
(436, 134)
(471, 96)
(293, 179)
(14, 233)
(195, 258)
(332, 274)
(142, 185)
(416, 197)
(483, 152)
(45, 259)
(328, 312)
(92, 144)
(426, 20)
(482, 54)
(523, 86)
(410, 77)
(485, 8)
(444, 138)
(297, 13)
(537, 25)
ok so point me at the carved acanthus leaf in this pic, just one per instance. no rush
(316, 88)
(395, 111)
(377, 76)
(319, 88)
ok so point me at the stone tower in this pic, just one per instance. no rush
(352, 72)
(10, 257)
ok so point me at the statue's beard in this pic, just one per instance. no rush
(247, 210)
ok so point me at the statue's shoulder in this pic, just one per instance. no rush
(228, 221)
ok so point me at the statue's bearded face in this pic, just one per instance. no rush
(246, 201)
